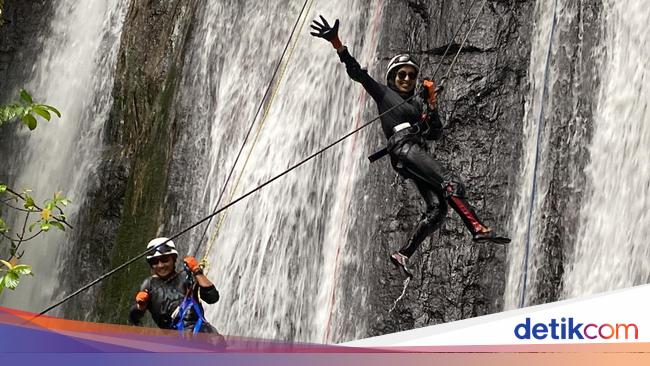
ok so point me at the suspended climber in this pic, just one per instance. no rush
(406, 126)
(172, 297)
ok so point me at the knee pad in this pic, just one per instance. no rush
(455, 188)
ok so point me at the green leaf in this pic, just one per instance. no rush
(3, 226)
(22, 269)
(56, 111)
(42, 112)
(45, 226)
(6, 114)
(19, 111)
(2, 284)
(11, 280)
(58, 225)
(29, 121)
(3, 187)
(24, 95)
(6, 264)
(29, 202)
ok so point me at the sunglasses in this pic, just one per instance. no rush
(155, 260)
(403, 74)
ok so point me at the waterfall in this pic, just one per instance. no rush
(276, 255)
(74, 72)
(533, 184)
(588, 208)
(611, 251)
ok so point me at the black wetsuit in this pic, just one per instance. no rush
(410, 157)
(166, 295)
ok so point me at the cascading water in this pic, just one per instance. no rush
(275, 258)
(532, 182)
(75, 74)
(611, 251)
(588, 210)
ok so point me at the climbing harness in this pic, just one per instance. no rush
(180, 312)
(254, 190)
(188, 303)
(417, 128)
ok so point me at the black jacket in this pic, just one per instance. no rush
(387, 98)
(166, 295)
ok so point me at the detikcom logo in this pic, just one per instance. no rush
(568, 328)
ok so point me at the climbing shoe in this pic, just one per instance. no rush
(489, 236)
(399, 260)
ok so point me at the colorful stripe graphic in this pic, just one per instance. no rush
(52, 341)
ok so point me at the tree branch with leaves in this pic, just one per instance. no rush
(26, 110)
(36, 219)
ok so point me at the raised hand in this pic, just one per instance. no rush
(192, 264)
(324, 30)
(327, 32)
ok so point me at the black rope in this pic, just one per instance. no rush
(460, 26)
(250, 128)
(216, 212)
(464, 39)
(142, 254)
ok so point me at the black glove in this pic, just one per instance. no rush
(327, 32)
(135, 315)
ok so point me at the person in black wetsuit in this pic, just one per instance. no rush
(172, 297)
(408, 120)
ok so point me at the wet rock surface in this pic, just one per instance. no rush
(568, 131)
(482, 108)
(127, 204)
(19, 48)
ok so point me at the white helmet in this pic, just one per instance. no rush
(400, 60)
(164, 249)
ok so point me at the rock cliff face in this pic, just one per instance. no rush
(19, 48)
(23, 21)
(569, 125)
(126, 210)
(482, 106)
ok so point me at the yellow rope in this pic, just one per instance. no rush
(222, 217)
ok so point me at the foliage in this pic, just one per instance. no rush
(26, 110)
(43, 218)
(32, 219)
(12, 273)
